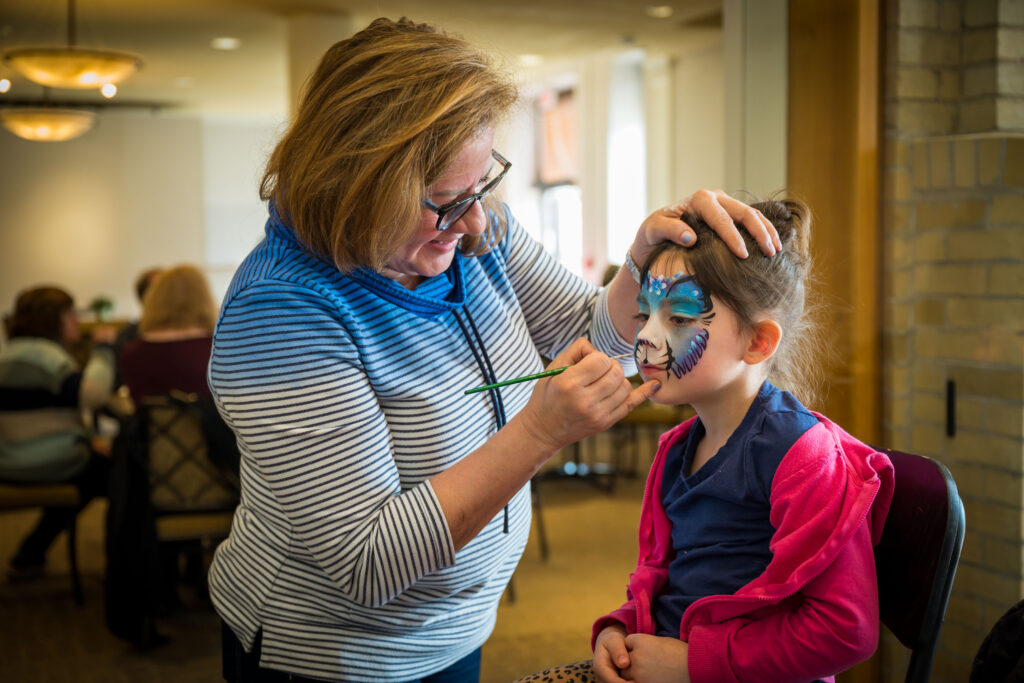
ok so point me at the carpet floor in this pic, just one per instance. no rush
(544, 619)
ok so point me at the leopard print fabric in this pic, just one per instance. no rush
(578, 672)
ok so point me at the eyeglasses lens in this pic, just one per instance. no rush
(455, 214)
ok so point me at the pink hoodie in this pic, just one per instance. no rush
(814, 610)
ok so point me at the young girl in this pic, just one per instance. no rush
(760, 516)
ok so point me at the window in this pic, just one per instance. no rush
(561, 209)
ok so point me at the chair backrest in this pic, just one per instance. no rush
(917, 556)
(182, 474)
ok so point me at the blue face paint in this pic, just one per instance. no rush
(674, 315)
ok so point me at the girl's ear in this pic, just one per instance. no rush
(763, 342)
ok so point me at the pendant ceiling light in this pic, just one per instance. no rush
(47, 124)
(73, 67)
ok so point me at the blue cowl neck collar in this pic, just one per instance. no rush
(434, 297)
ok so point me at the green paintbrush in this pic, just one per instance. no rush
(539, 375)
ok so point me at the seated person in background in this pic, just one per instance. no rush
(43, 393)
(130, 331)
(170, 355)
(755, 557)
(175, 336)
(173, 350)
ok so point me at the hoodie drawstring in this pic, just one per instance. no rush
(483, 361)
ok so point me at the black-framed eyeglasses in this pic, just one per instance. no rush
(450, 213)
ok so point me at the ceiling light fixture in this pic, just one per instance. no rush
(73, 67)
(5, 85)
(659, 11)
(225, 43)
(47, 124)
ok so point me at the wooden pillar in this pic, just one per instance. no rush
(833, 155)
(834, 86)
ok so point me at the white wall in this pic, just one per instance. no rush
(698, 117)
(234, 155)
(755, 76)
(136, 191)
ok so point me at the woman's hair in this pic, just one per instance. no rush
(761, 285)
(179, 298)
(38, 312)
(384, 115)
(143, 280)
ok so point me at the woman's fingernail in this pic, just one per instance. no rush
(657, 385)
(688, 239)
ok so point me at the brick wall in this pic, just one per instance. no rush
(953, 225)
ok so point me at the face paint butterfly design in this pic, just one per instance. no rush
(674, 315)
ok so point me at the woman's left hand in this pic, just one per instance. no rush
(720, 211)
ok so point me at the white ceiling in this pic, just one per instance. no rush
(183, 73)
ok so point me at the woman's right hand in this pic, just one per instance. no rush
(610, 654)
(589, 397)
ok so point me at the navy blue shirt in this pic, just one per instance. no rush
(719, 514)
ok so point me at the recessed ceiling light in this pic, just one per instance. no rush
(225, 43)
(5, 85)
(659, 11)
(530, 60)
(108, 90)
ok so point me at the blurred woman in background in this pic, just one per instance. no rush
(175, 336)
(43, 394)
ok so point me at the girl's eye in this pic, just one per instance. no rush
(681, 321)
(642, 317)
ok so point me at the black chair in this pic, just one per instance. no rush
(187, 474)
(917, 556)
(174, 489)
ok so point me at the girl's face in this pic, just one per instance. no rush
(686, 339)
(429, 252)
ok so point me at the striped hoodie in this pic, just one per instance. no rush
(346, 393)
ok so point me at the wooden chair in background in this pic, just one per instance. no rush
(16, 497)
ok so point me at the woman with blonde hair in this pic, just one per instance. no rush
(175, 336)
(383, 509)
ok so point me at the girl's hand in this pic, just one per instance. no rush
(720, 211)
(654, 659)
(610, 654)
(589, 397)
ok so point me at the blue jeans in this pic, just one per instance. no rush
(240, 666)
(466, 670)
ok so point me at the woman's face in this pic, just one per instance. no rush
(686, 339)
(429, 252)
(69, 329)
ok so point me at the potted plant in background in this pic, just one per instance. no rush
(101, 307)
